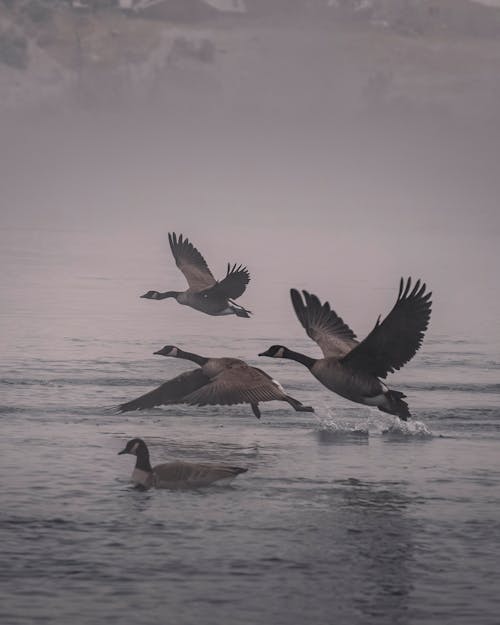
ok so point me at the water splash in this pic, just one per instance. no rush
(408, 429)
(330, 428)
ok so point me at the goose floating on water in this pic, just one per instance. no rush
(222, 381)
(205, 293)
(351, 368)
(174, 474)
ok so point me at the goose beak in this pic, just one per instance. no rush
(123, 451)
(262, 354)
(158, 353)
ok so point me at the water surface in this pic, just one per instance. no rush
(344, 516)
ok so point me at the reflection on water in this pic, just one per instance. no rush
(342, 437)
(376, 517)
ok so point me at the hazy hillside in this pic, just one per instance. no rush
(441, 55)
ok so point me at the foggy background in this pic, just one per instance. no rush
(334, 155)
(332, 146)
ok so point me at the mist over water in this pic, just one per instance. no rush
(282, 156)
(285, 157)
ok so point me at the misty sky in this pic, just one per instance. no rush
(283, 171)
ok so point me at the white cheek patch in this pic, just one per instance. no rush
(279, 353)
(134, 448)
(174, 351)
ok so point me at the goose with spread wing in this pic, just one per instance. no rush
(205, 293)
(217, 381)
(351, 368)
(174, 474)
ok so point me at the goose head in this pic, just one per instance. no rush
(151, 295)
(168, 350)
(134, 447)
(275, 351)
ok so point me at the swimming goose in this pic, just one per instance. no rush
(222, 381)
(204, 292)
(351, 368)
(174, 474)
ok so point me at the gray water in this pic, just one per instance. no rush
(345, 516)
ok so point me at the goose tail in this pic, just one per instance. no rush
(238, 470)
(394, 404)
(239, 311)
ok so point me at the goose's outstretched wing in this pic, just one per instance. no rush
(191, 263)
(323, 325)
(392, 343)
(237, 384)
(233, 285)
(171, 392)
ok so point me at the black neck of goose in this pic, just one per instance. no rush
(302, 358)
(174, 294)
(142, 460)
(199, 360)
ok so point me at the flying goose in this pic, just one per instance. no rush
(351, 368)
(204, 292)
(174, 474)
(222, 381)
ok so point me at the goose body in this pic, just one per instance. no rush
(174, 474)
(222, 381)
(354, 369)
(205, 293)
(349, 384)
